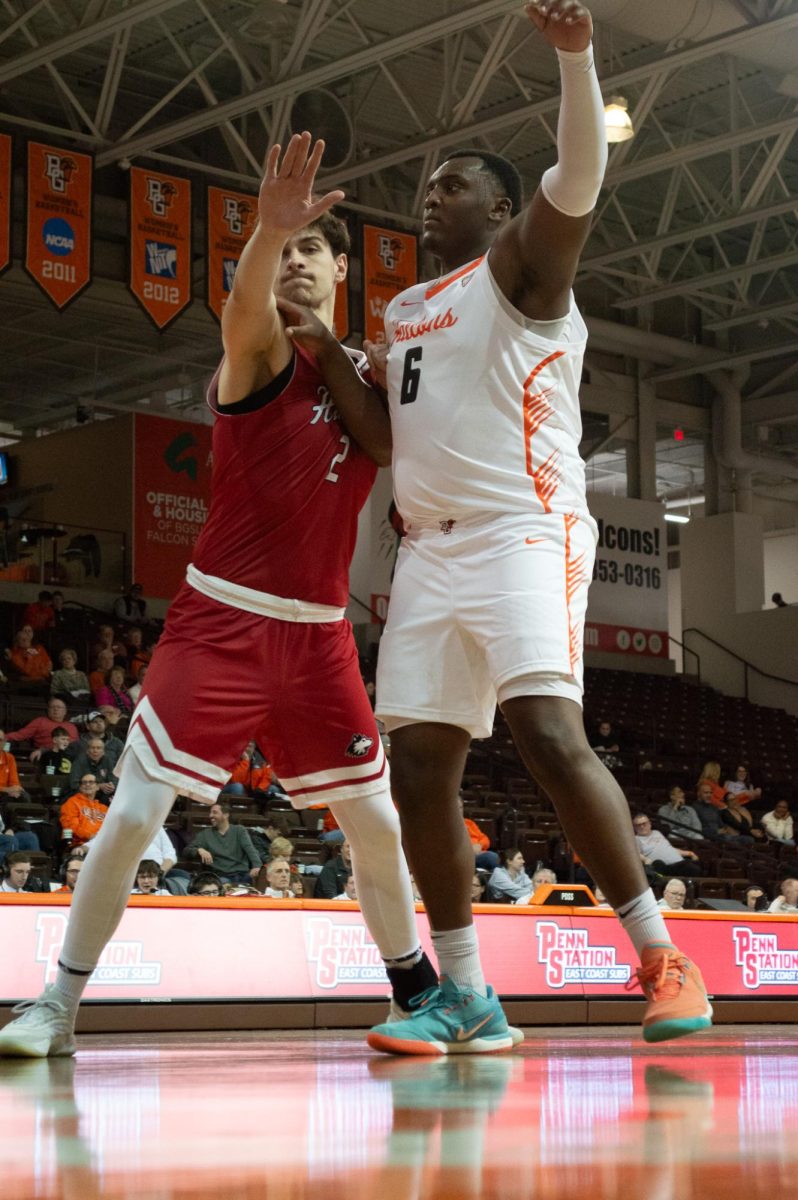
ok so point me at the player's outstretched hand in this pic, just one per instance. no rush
(286, 202)
(377, 355)
(565, 24)
(304, 327)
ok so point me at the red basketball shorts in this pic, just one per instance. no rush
(222, 676)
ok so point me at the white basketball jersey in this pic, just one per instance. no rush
(484, 410)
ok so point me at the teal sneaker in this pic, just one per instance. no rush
(447, 1020)
(397, 1013)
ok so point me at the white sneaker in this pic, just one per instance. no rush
(397, 1013)
(43, 1028)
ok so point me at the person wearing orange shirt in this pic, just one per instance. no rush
(10, 787)
(30, 662)
(249, 778)
(711, 775)
(40, 729)
(71, 871)
(485, 859)
(82, 815)
(40, 614)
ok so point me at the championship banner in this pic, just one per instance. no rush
(231, 219)
(5, 202)
(627, 610)
(171, 496)
(58, 242)
(389, 266)
(160, 244)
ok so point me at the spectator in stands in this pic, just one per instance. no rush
(94, 760)
(40, 729)
(16, 872)
(755, 899)
(509, 881)
(12, 840)
(477, 888)
(138, 655)
(57, 761)
(114, 693)
(104, 660)
(659, 854)
(710, 775)
(28, 661)
(163, 854)
(226, 847)
(70, 873)
(709, 815)
(297, 884)
(679, 816)
(67, 682)
(149, 880)
(97, 726)
(334, 874)
(10, 787)
(251, 776)
(742, 787)
(542, 876)
(778, 600)
(787, 902)
(739, 820)
(674, 895)
(776, 824)
(485, 859)
(132, 607)
(605, 740)
(278, 880)
(134, 690)
(205, 883)
(281, 847)
(331, 833)
(39, 614)
(83, 813)
(350, 890)
(107, 640)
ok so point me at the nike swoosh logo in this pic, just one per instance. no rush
(465, 1035)
(534, 541)
(409, 303)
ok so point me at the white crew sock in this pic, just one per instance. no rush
(457, 951)
(643, 921)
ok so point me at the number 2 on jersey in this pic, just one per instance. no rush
(411, 375)
(332, 474)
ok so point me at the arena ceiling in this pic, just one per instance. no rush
(692, 265)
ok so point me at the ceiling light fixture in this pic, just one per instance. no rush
(677, 518)
(617, 121)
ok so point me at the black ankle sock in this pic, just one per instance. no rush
(409, 982)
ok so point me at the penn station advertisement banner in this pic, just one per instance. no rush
(232, 217)
(5, 201)
(171, 949)
(171, 497)
(160, 244)
(59, 221)
(390, 264)
(627, 610)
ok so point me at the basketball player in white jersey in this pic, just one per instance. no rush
(490, 591)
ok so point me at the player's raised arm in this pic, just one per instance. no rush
(255, 343)
(362, 411)
(534, 259)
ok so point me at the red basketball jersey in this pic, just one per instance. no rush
(288, 485)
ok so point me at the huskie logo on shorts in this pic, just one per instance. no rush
(762, 961)
(569, 957)
(121, 963)
(359, 746)
(342, 953)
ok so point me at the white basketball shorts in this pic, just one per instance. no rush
(485, 609)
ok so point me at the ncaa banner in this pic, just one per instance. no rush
(5, 202)
(627, 610)
(389, 266)
(160, 244)
(59, 212)
(231, 219)
(171, 497)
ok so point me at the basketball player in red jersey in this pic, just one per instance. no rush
(490, 592)
(255, 644)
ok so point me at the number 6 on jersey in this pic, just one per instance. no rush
(411, 375)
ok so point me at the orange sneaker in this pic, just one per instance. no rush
(677, 998)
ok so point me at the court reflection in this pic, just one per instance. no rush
(295, 1117)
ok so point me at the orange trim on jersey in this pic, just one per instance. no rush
(537, 411)
(574, 579)
(442, 284)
